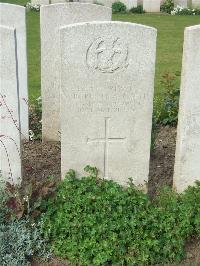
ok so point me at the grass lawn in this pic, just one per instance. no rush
(169, 46)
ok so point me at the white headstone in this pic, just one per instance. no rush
(129, 3)
(196, 3)
(52, 18)
(182, 3)
(187, 163)
(15, 16)
(107, 3)
(10, 148)
(107, 83)
(151, 6)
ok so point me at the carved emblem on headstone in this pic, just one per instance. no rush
(107, 55)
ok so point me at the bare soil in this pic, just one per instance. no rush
(41, 160)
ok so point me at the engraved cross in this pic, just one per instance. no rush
(106, 140)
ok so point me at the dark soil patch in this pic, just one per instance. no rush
(41, 160)
(162, 159)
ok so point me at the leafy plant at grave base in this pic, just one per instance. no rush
(119, 7)
(17, 202)
(20, 235)
(191, 199)
(98, 222)
(185, 11)
(167, 6)
(166, 110)
(138, 10)
(35, 120)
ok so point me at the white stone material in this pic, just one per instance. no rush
(10, 148)
(52, 18)
(15, 16)
(182, 3)
(107, 3)
(107, 83)
(196, 3)
(129, 3)
(151, 6)
(187, 162)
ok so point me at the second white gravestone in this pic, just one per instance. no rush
(107, 81)
(15, 16)
(52, 17)
(187, 162)
(10, 143)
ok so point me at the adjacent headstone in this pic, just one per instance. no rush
(129, 3)
(196, 3)
(182, 3)
(52, 18)
(151, 6)
(107, 83)
(10, 149)
(15, 16)
(107, 3)
(187, 162)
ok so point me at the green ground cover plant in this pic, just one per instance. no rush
(167, 6)
(118, 7)
(91, 221)
(166, 108)
(98, 222)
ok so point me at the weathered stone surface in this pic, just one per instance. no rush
(196, 3)
(107, 81)
(187, 163)
(151, 5)
(107, 3)
(182, 3)
(52, 18)
(15, 16)
(129, 3)
(10, 149)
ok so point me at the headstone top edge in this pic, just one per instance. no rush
(119, 23)
(195, 27)
(71, 4)
(13, 6)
